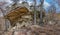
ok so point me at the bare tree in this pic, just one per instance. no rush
(52, 12)
(34, 11)
(41, 8)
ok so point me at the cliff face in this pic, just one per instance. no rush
(16, 14)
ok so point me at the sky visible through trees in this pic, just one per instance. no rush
(47, 3)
